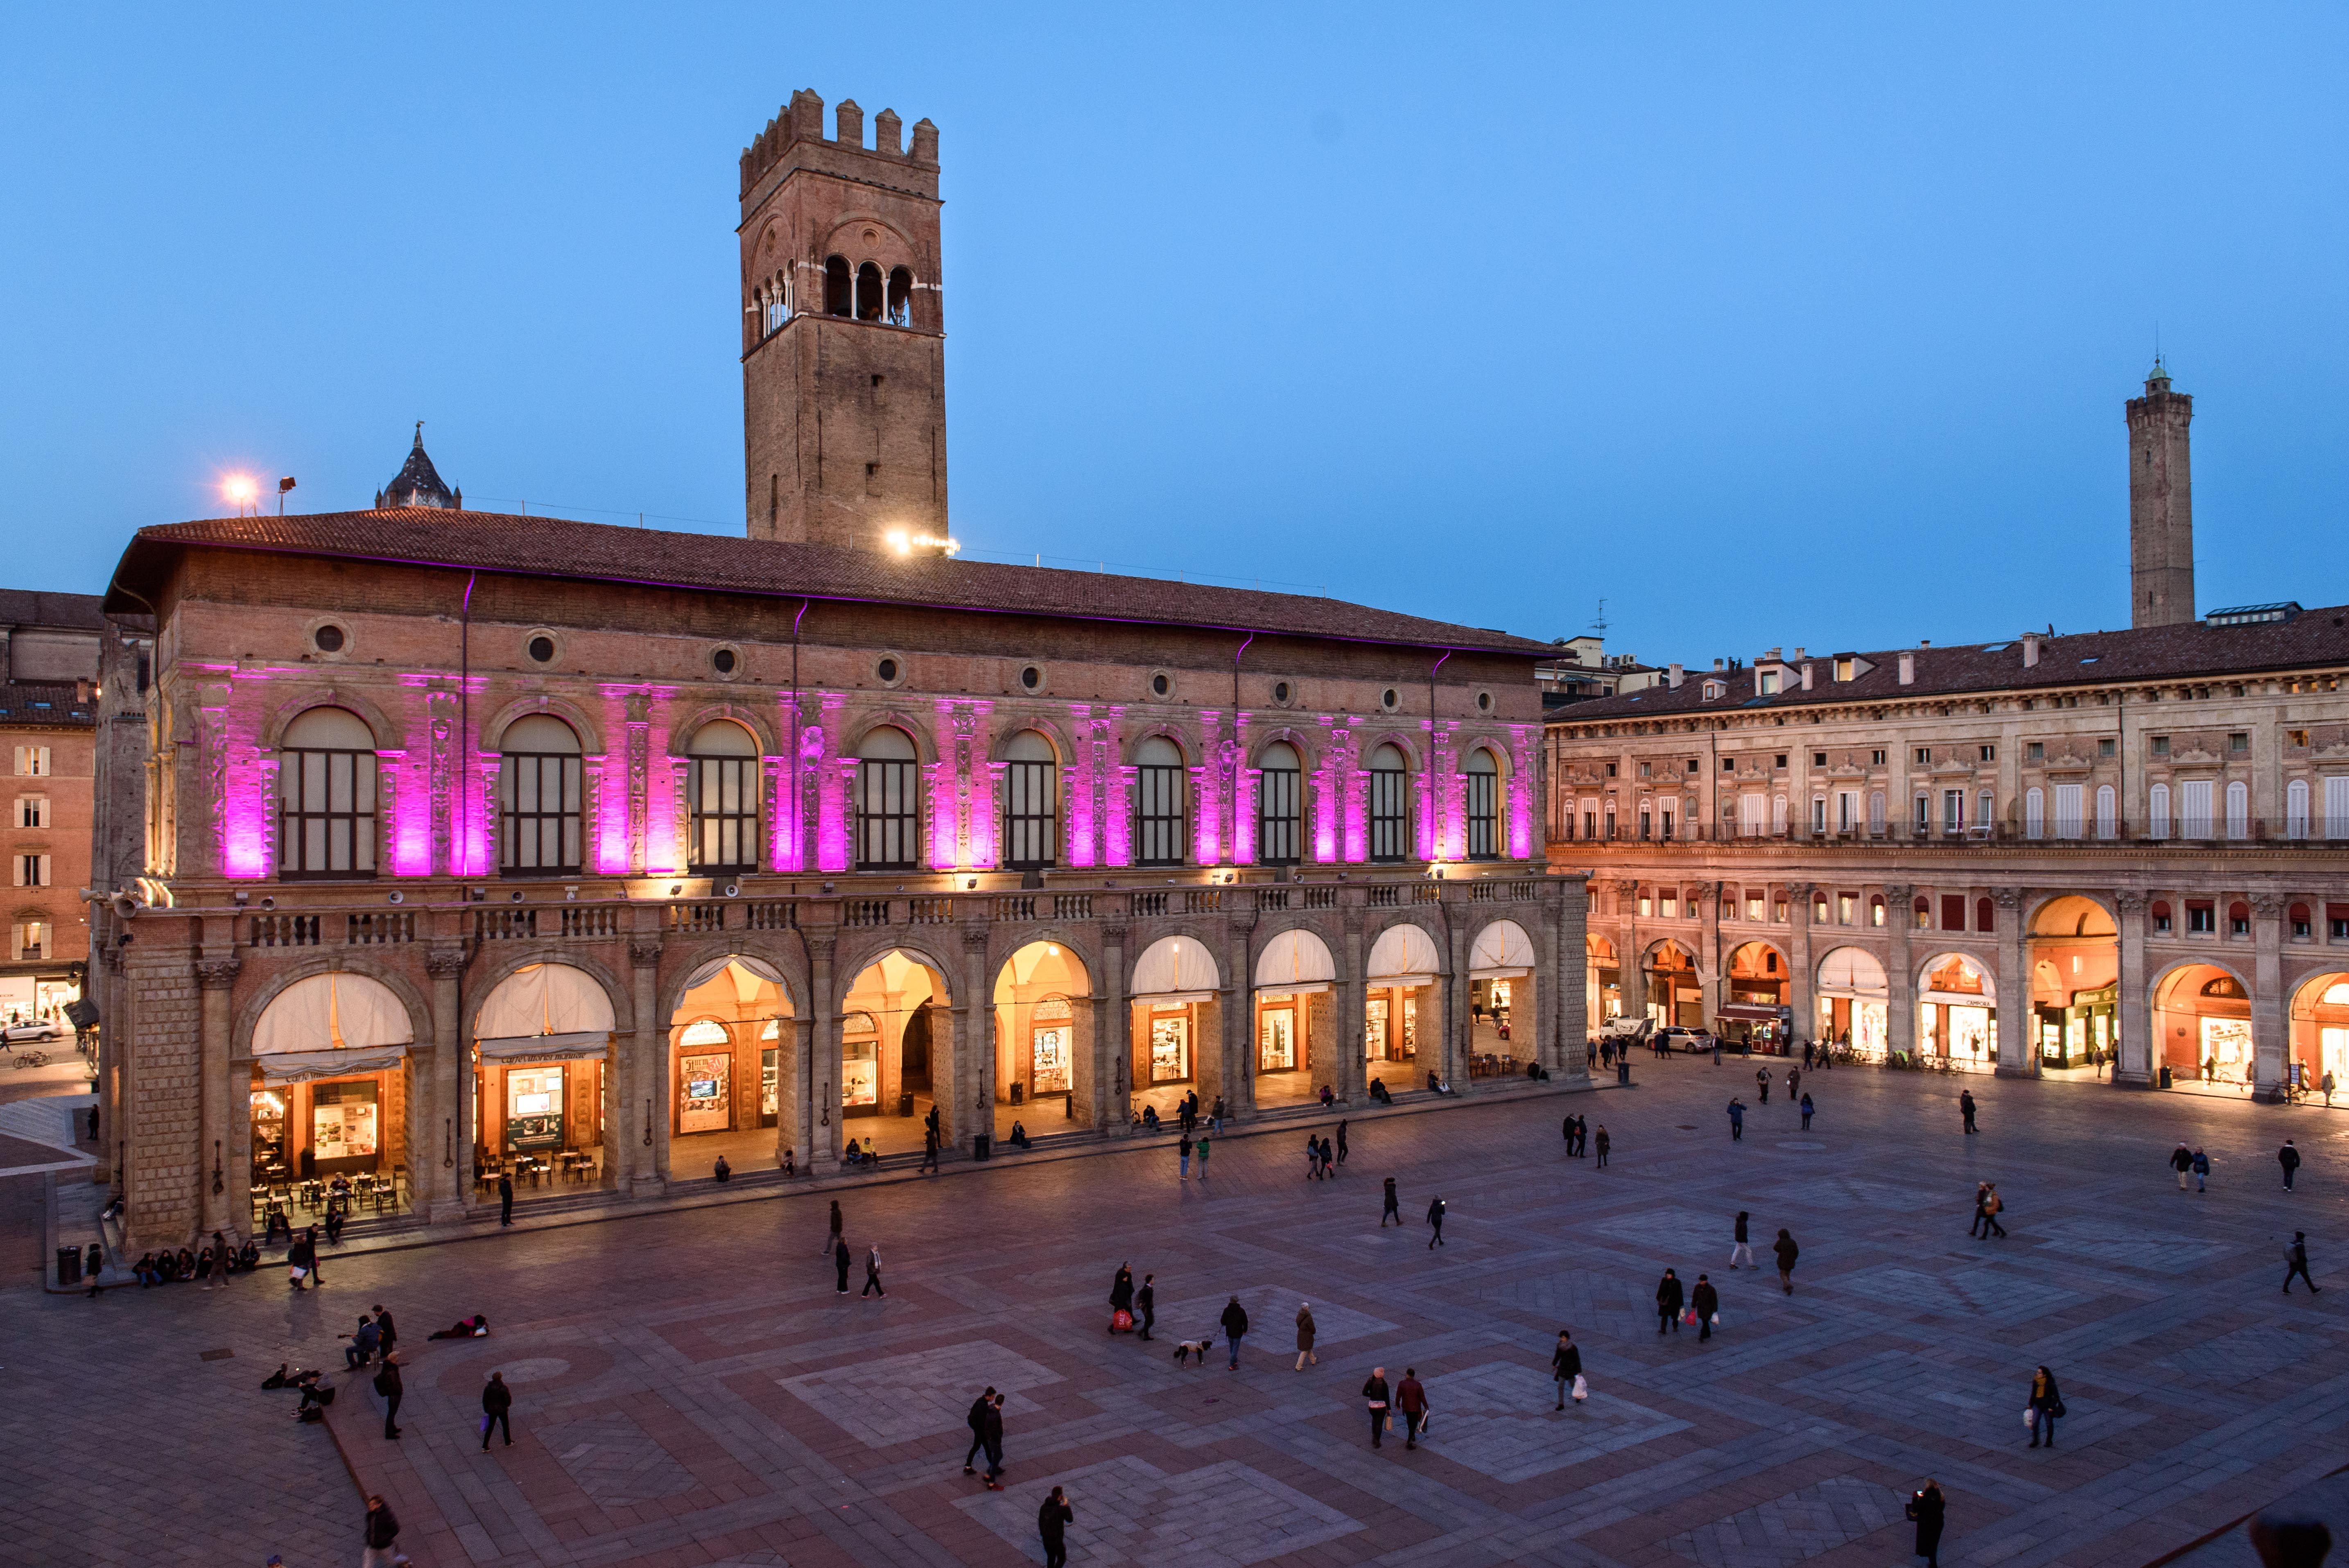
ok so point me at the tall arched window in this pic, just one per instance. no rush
(1280, 819)
(779, 301)
(1390, 804)
(538, 797)
(1876, 813)
(839, 287)
(868, 293)
(2156, 811)
(2295, 809)
(1031, 801)
(1157, 803)
(888, 803)
(326, 796)
(2035, 813)
(2239, 809)
(2107, 811)
(722, 787)
(900, 297)
(1485, 806)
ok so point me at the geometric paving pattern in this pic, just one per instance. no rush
(1129, 1511)
(897, 1399)
(1272, 1320)
(614, 1461)
(1799, 1525)
(1498, 1419)
(2105, 1240)
(1674, 1236)
(1963, 1404)
(1983, 1290)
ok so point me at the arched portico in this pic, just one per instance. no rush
(2202, 1017)
(329, 1094)
(2072, 1016)
(1503, 1000)
(1174, 1004)
(1957, 1008)
(1402, 999)
(1046, 1038)
(1854, 999)
(1756, 987)
(1602, 987)
(2318, 1031)
(1296, 1019)
(1671, 991)
(733, 1045)
(894, 1052)
(542, 1078)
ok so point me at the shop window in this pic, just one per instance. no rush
(1953, 911)
(1158, 802)
(2161, 918)
(2238, 919)
(1924, 911)
(1985, 915)
(538, 797)
(1484, 782)
(1170, 1042)
(860, 1065)
(2201, 919)
(1279, 820)
(888, 808)
(1031, 802)
(2298, 915)
(326, 796)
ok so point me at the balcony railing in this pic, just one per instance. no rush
(2316, 833)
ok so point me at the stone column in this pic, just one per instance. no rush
(1544, 1013)
(436, 1176)
(647, 1053)
(824, 1060)
(979, 1024)
(1456, 1022)
(1239, 1020)
(1630, 974)
(1799, 985)
(1352, 999)
(2136, 1065)
(1899, 970)
(2018, 1031)
(1114, 1038)
(215, 1151)
(1711, 964)
(1572, 913)
(2271, 1037)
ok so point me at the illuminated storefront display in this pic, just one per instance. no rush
(1170, 1043)
(1276, 1039)
(702, 1103)
(860, 1065)
(343, 1121)
(534, 1109)
(1050, 1029)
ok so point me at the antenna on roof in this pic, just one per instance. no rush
(1599, 624)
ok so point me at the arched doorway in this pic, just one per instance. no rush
(1043, 1040)
(328, 1095)
(542, 1057)
(731, 1041)
(2202, 1015)
(1672, 994)
(1501, 1002)
(1174, 1025)
(2319, 1031)
(2075, 983)
(1957, 1009)
(1603, 985)
(1755, 1009)
(1399, 1001)
(1853, 1001)
(893, 995)
(1296, 1020)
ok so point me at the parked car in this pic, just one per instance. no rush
(1695, 1042)
(16, 1033)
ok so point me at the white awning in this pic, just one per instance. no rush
(1295, 988)
(1294, 958)
(1404, 982)
(302, 1067)
(545, 999)
(1175, 968)
(1974, 972)
(717, 966)
(513, 1049)
(1501, 951)
(1851, 971)
(332, 1011)
(1404, 954)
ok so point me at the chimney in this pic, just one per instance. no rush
(1908, 669)
(81, 691)
(1806, 674)
(1771, 657)
(2029, 650)
(1672, 677)
(1716, 664)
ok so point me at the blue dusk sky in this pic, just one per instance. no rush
(1767, 325)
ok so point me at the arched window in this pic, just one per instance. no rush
(1157, 803)
(538, 797)
(2239, 809)
(1485, 806)
(1279, 820)
(1986, 813)
(1875, 814)
(1031, 800)
(775, 303)
(1985, 915)
(2295, 809)
(326, 796)
(2156, 811)
(722, 786)
(839, 292)
(2107, 811)
(1390, 804)
(868, 293)
(888, 812)
(1778, 815)
(2035, 813)
(900, 297)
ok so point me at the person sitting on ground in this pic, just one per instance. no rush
(791, 1165)
(1328, 1098)
(1150, 1117)
(187, 1269)
(249, 1256)
(1380, 1092)
(724, 1173)
(474, 1327)
(1434, 1084)
(1018, 1138)
(144, 1271)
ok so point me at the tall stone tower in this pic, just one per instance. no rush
(2161, 505)
(843, 331)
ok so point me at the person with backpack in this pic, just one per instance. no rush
(2289, 1158)
(1566, 1366)
(1993, 1206)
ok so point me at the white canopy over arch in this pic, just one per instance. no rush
(327, 1025)
(1405, 955)
(545, 1012)
(1501, 951)
(1974, 973)
(1852, 970)
(1294, 962)
(749, 971)
(1175, 968)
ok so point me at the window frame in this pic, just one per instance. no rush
(568, 818)
(1159, 784)
(1284, 830)
(1389, 816)
(1481, 806)
(296, 820)
(704, 818)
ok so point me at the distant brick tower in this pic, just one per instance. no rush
(2161, 505)
(843, 334)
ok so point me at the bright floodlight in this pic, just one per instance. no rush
(238, 488)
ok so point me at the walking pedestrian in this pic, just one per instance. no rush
(388, 1384)
(1121, 1296)
(2182, 1160)
(1341, 1141)
(318, 1275)
(1566, 1366)
(1736, 1120)
(1312, 1158)
(1235, 1327)
(1393, 1211)
(1794, 1082)
(300, 1258)
(1203, 1152)
(1215, 1115)
(1738, 1248)
(1435, 1221)
(977, 1421)
(2295, 1257)
(2289, 1158)
(1981, 1225)
(929, 1151)
(2201, 1171)
(2286, 1542)
(1993, 1206)
(1707, 1303)
(1807, 1109)
(1807, 1053)
(992, 1431)
(223, 1262)
(1052, 1521)
(497, 1409)
(2328, 1087)
(872, 1274)
(1305, 1337)
(1668, 1303)
(1329, 1160)
(831, 1237)
(377, 1535)
(505, 1198)
(1183, 1159)
(1966, 1108)
(1762, 1083)
(2047, 1405)
(1926, 1508)
(1788, 1252)
(1565, 1130)
(1602, 1146)
(1375, 1394)
(1410, 1398)
(1145, 1303)
(840, 1263)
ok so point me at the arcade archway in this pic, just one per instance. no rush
(2319, 1031)
(1602, 988)
(1671, 991)
(1400, 999)
(1175, 1026)
(1957, 1009)
(1754, 1007)
(2075, 951)
(1043, 1041)
(1296, 1049)
(1853, 999)
(542, 1061)
(731, 1042)
(894, 1038)
(1501, 1000)
(2203, 1016)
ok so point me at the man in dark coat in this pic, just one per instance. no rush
(1052, 1521)
(1145, 1304)
(1966, 1108)
(1788, 1252)
(1394, 1209)
(505, 1198)
(1926, 1508)
(1235, 1322)
(1565, 1365)
(1668, 1303)
(839, 1262)
(1736, 1120)
(976, 1422)
(497, 1407)
(2295, 1258)
(993, 1434)
(1707, 1301)
(2289, 1158)
(1410, 1398)
(388, 1384)
(1435, 1219)
(381, 1529)
(386, 1334)
(1120, 1295)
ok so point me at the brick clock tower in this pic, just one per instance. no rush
(844, 331)
(2161, 506)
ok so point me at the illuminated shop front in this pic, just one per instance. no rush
(1853, 1001)
(328, 1090)
(2074, 982)
(541, 1054)
(1500, 999)
(1174, 1024)
(890, 1026)
(2320, 1030)
(2202, 1013)
(1403, 973)
(1295, 1018)
(1673, 994)
(1957, 1011)
(1602, 981)
(725, 1039)
(1043, 1020)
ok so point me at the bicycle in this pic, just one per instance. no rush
(28, 1059)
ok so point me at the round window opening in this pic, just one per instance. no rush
(1160, 686)
(886, 669)
(1484, 702)
(541, 649)
(329, 639)
(1032, 677)
(1388, 698)
(723, 661)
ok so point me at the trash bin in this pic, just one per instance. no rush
(981, 1146)
(1623, 1072)
(2165, 1078)
(68, 1265)
(905, 1104)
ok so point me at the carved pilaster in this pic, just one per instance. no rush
(444, 963)
(645, 954)
(638, 762)
(218, 974)
(440, 777)
(2129, 903)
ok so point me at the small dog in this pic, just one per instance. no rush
(1198, 1347)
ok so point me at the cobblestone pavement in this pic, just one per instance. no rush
(691, 1390)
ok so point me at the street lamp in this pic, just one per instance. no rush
(239, 489)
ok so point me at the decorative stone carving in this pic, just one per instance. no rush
(2008, 899)
(643, 954)
(444, 963)
(2130, 902)
(2266, 905)
(218, 974)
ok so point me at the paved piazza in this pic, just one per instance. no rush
(689, 1389)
